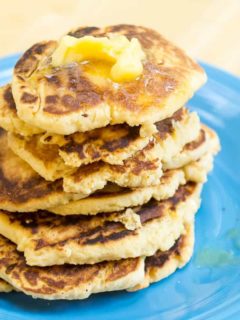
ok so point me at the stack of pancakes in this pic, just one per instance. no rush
(99, 181)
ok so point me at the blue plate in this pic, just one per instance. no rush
(209, 286)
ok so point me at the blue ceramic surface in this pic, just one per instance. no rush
(209, 286)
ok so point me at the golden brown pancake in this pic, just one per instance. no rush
(67, 281)
(207, 142)
(136, 171)
(79, 97)
(78, 282)
(9, 119)
(47, 239)
(54, 162)
(143, 169)
(134, 174)
(164, 263)
(115, 198)
(112, 144)
(5, 287)
(22, 189)
(44, 159)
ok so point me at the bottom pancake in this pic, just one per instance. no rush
(79, 282)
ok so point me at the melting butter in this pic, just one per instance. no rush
(124, 56)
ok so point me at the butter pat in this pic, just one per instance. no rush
(124, 56)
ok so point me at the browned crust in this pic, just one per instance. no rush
(55, 279)
(29, 60)
(166, 126)
(47, 154)
(21, 192)
(15, 189)
(51, 280)
(128, 136)
(158, 81)
(148, 38)
(160, 257)
(136, 164)
(2, 132)
(196, 143)
(8, 98)
(92, 230)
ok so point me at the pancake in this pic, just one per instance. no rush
(5, 287)
(82, 97)
(114, 144)
(9, 119)
(44, 159)
(22, 189)
(142, 170)
(52, 162)
(47, 239)
(135, 171)
(164, 263)
(197, 170)
(67, 281)
(207, 142)
(95, 176)
(79, 282)
(111, 144)
(114, 198)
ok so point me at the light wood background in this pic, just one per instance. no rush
(207, 29)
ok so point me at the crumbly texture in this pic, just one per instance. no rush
(206, 142)
(135, 174)
(52, 158)
(44, 159)
(113, 198)
(66, 281)
(9, 119)
(163, 263)
(5, 287)
(114, 144)
(142, 170)
(79, 282)
(48, 239)
(82, 97)
(22, 189)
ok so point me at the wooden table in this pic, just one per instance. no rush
(207, 29)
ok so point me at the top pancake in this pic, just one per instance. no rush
(79, 97)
